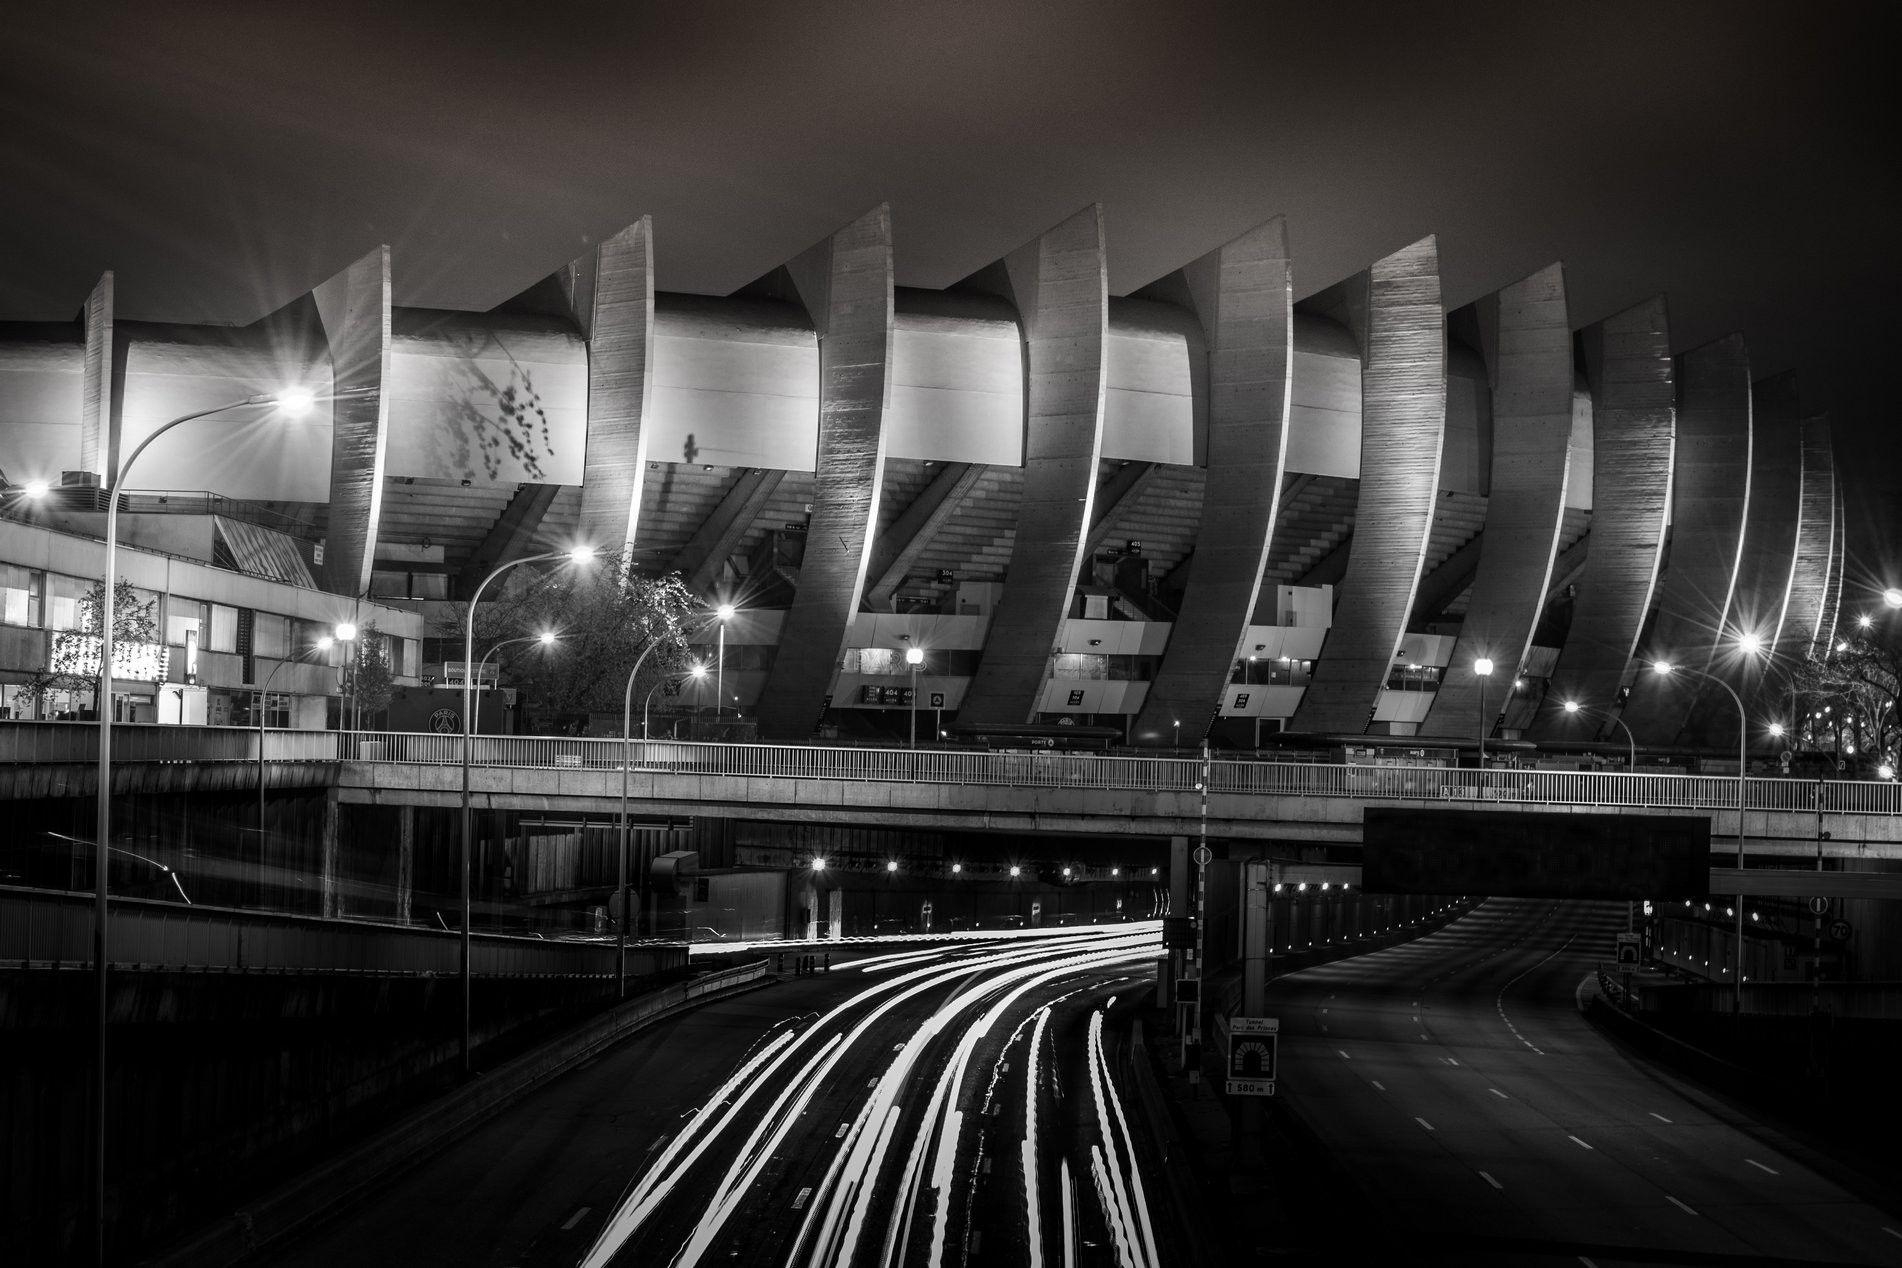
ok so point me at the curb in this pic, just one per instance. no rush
(336, 1182)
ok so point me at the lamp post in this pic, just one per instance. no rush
(914, 657)
(724, 613)
(580, 554)
(1482, 669)
(1665, 669)
(346, 633)
(620, 871)
(263, 696)
(293, 402)
(546, 638)
(1573, 706)
(696, 672)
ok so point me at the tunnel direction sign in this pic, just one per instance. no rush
(1252, 1048)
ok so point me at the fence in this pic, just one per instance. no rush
(67, 742)
(46, 929)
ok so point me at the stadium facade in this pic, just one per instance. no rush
(1200, 508)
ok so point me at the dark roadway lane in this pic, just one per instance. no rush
(1488, 1122)
(876, 1116)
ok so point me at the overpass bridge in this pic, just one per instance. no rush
(1238, 799)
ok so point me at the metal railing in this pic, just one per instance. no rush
(46, 742)
(43, 928)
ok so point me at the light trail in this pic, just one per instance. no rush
(1033, 1202)
(796, 1065)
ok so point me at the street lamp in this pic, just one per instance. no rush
(345, 632)
(627, 759)
(291, 402)
(724, 613)
(1482, 669)
(1892, 597)
(914, 656)
(580, 554)
(1664, 669)
(1573, 706)
(696, 672)
(546, 638)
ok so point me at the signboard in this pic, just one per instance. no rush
(446, 722)
(890, 697)
(1527, 854)
(1204, 856)
(1840, 930)
(937, 699)
(78, 654)
(1178, 933)
(1819, 905)
(1253, 1044)
(1188, 990)
(1629, 945)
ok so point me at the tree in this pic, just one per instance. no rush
(73, 662)
(1860, 682)
(372, 684)
(605, 615)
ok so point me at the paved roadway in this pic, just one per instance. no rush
(1489, 1123)
(943, 1105)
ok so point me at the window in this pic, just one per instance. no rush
(271, 635)
(187, 615)
(277, 710)
(223, 635)
(63, 598)
(20, 595)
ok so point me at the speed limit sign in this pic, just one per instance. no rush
(1839, 931)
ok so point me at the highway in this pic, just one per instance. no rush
(1486, 1121)
(936, 1106)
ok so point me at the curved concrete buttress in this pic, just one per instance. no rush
(354, 307)
(1060, 287)
(1803, 619)
(102, 385)
(1395, 313)
(613, 294)
(1710, 493)
(1243, 293)
(1833, 598)
(1634, 436)
(845, 284)
(1526, 336)
(1769, 552)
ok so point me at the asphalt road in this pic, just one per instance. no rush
(947, 1105)
(1487, 1122)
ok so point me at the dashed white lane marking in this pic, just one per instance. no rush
(1499, 1001)
(576, 1218)
(1661, 1118)
(1324, 1010)
(1581, 1144)
(658, 1142)
(1378, 1085)
(1449, 1060)
(1324, 1028)
(1891, 1232)
(1679, 1205)
(1423, 1122)
(1759, 1166)
(799, 1202)
(1424, 1038)
(843, 1129)
(1501, 1095)
(1488, 1178)
(1343, 1053)
(1587, 1262)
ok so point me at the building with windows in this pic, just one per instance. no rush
(1199, 509)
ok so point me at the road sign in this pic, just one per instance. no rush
(1839, 930)
(1628, 948)
(1819, 906)
(1188, 990)
(1252, 1049)
(1203, 855)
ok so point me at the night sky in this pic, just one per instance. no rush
(1739, 157)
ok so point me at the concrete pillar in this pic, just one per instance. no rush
(329, 880)
(405, 861)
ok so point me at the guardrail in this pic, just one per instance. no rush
(69, 742)
(51, 929)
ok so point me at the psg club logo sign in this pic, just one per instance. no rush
(445, 722)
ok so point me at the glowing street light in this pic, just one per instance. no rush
(724, 613)
(36, 489)
(1892, 597)
(914, 657)
(1482, 669)
(1573, 706)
